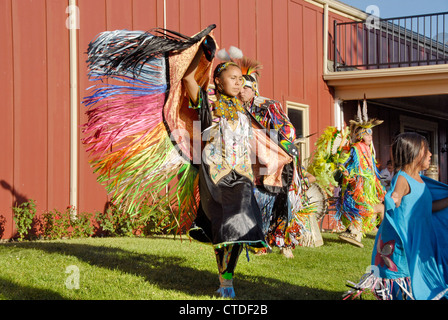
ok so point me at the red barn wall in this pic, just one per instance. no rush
(286, 36)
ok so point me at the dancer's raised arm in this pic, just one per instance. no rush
(189, 80)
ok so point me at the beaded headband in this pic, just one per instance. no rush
(362, 132)
(224, 66)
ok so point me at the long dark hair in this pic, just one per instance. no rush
(406, 148)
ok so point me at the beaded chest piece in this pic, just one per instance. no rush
(227, 107)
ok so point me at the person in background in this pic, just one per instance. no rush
(387, 174)
(359, 206)
(278, 207)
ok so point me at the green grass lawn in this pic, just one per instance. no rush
(172, 269)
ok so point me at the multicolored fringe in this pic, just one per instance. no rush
(331, 152)
(296, 231)
(270, 114)
(126, 52)
(226, 292)
(360, 192)
(382, 288)
(265, 201)
(125, 135)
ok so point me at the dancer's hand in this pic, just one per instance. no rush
(209, 48)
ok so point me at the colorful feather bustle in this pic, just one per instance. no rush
(331, 151)
(295, 231)
(126, 134)
(301, 209)
(361, 190)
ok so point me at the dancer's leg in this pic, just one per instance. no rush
(227, 258)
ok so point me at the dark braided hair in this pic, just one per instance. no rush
(406, 148)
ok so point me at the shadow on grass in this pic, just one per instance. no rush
(167, 272)
(14, 291)
(337, 241)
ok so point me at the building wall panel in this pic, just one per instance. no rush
(247, 27)
(324, 99)
(211, 14)
(146, 14)
(30, 100)
(58, 93)
(280, 49)
(190, 17)
(172, 15)
(7, 197)
(92, 196)
(265, 46)
(311, 76)
(296, 77)
(119, 14)
(229, 24)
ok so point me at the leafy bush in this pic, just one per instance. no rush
(82, 225)
(23, 217)
(113, 222)
(54, 225)
(149, 220)
(116, 222)
(67, 224)
(155, 219)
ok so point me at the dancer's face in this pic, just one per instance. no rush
(246, 94)
(230, 81)
(425, 156)
(367, 139)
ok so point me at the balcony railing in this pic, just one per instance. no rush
(390, 43)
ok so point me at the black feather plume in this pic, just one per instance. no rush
(128, 51)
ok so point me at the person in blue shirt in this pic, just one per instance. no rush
(410, 254)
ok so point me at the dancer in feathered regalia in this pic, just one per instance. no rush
(284, 211)
(345, 167)
(144, 138)
(359, 205)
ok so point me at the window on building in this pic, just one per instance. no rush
(299, 115)
(428, 129)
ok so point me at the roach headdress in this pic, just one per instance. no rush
(250, 69)
(362, 124)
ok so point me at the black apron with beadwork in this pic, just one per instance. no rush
(228, 212)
